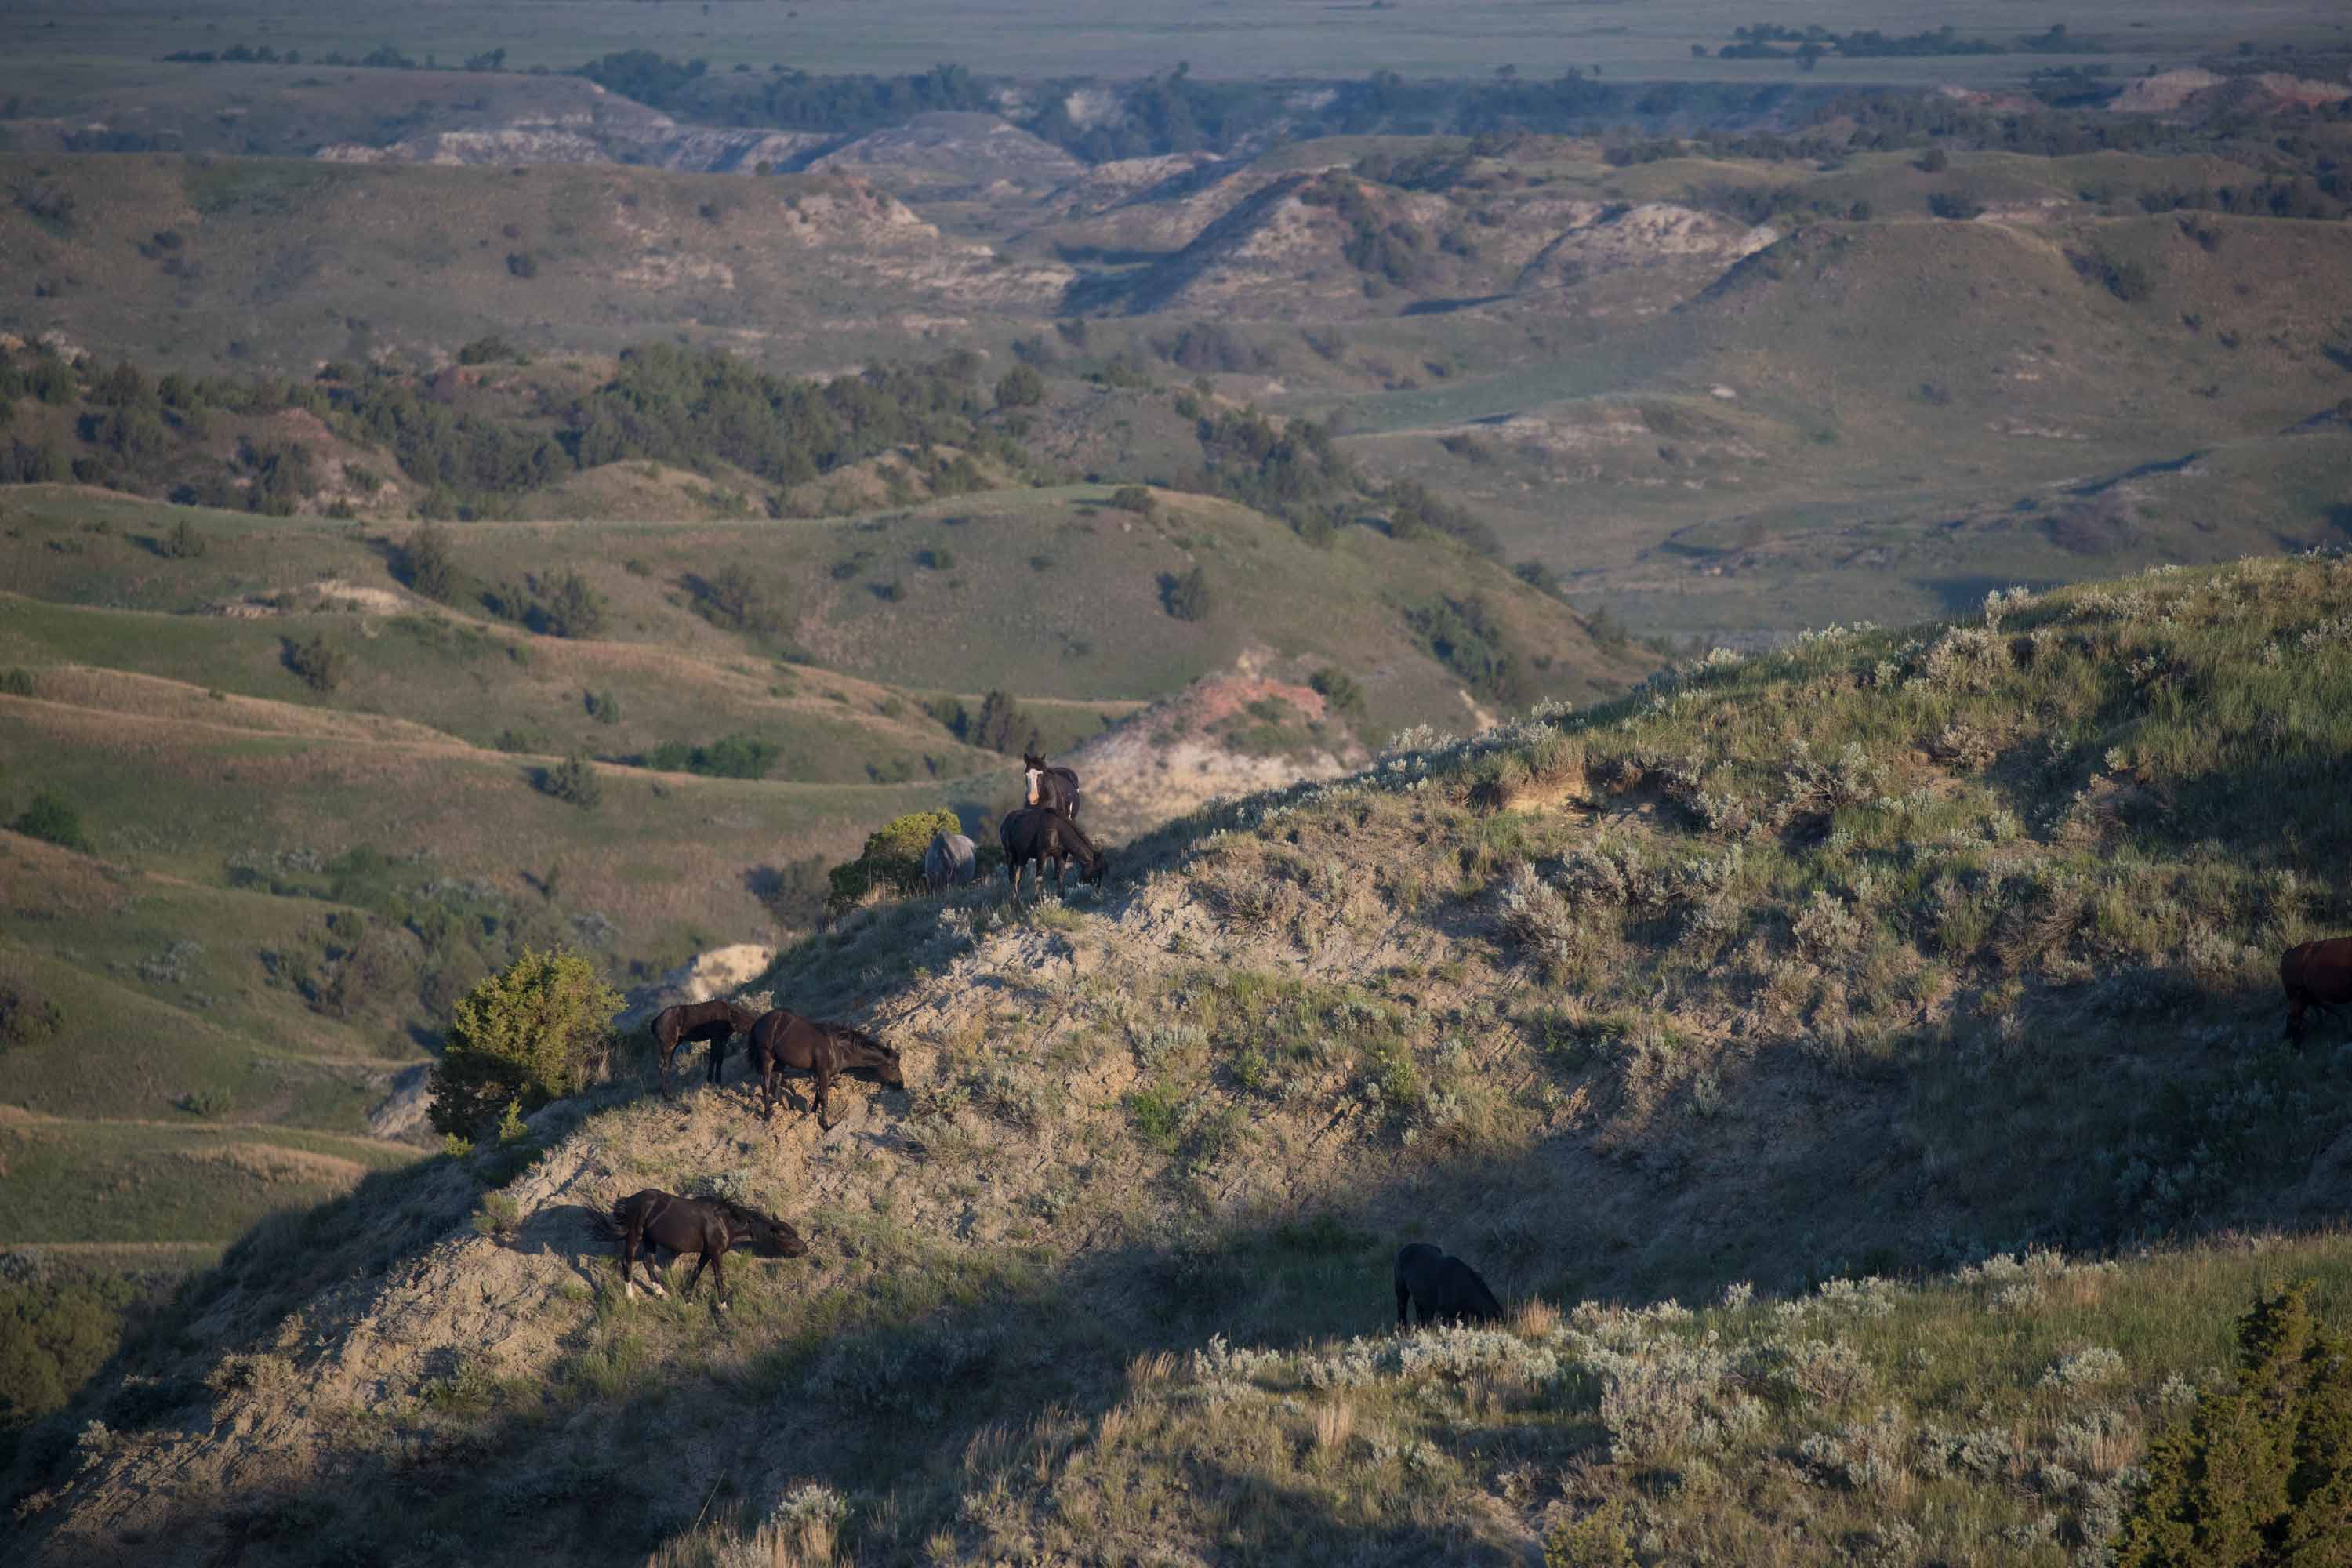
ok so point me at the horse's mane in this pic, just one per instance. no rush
(860, 1036)
(734, 1210)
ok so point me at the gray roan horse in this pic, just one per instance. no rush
(716, 1022)
(951, 861)
(785, 1039)
(707, 1227)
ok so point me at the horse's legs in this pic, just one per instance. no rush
(2296, 1007)
(666, 1049)
(631, 1239)
(768, 1089)
(702, 1262)
(824, 1075)
(718, 1273)
(1403, 1295)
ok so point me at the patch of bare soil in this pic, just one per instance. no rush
(1168, 760)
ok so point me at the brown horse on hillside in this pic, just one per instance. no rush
(2315, 975)
(716, 1022)
(1042, 835)
(1052, 786)
(785, 1039)
(707, 1226)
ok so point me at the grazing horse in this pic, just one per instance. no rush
(1445, 1290)
(785, 1039)
(709, 1226)
(1039, 834)
(716, 1022)
(1055, 788)
(949, 860)
(2315, 975)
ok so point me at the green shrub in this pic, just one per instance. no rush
(1134, 499)
(2262, 1473)
(489, 349)
(56, 1329)
(425, 564)
(1596, 1540)
(320, 661)
(1022, 387)
(17, 682)
(537, 1031)
(1188, 597)
(27, 1014)
(574, 779)
(1340, 692)
(604, 707)
(892, 860)
(52, 819)
(184, 542)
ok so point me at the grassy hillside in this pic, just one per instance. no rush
(285, 264)
(1886, 955)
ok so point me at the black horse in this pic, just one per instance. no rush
(1041, 833)
(709, 1227)
(1445, 1290)
(785, 1039)
(716, 1022)
(1055, 788)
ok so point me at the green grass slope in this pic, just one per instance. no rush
(1944, 958)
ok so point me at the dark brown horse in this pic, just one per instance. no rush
(1443, 1289)
(716, 1022)
(2315, 975)
(707, 1227)
(1055, 788)
(1040, 833)
(785, 1039)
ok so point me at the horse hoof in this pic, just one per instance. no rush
(722, 1307)
(629, 1291)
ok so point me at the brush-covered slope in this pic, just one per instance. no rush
(285, 264)
(1889, 954)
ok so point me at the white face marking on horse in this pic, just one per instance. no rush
(1032, 786)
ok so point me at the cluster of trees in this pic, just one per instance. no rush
(385, 57)
(1467, 638)
(1773, 40)
(665, 403)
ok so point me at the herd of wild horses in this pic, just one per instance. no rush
(2315, 975)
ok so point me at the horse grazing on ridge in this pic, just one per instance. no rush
(2315, 975)
(1055, 788)
(785, 1039)
(949, 861)
(716, 1022)
(1444, 1289)
(707, 1227)
(1040, 833)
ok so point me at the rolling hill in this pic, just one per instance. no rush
(1909, 995)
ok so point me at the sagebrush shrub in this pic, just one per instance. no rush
(538, 1030)
(52, 819)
